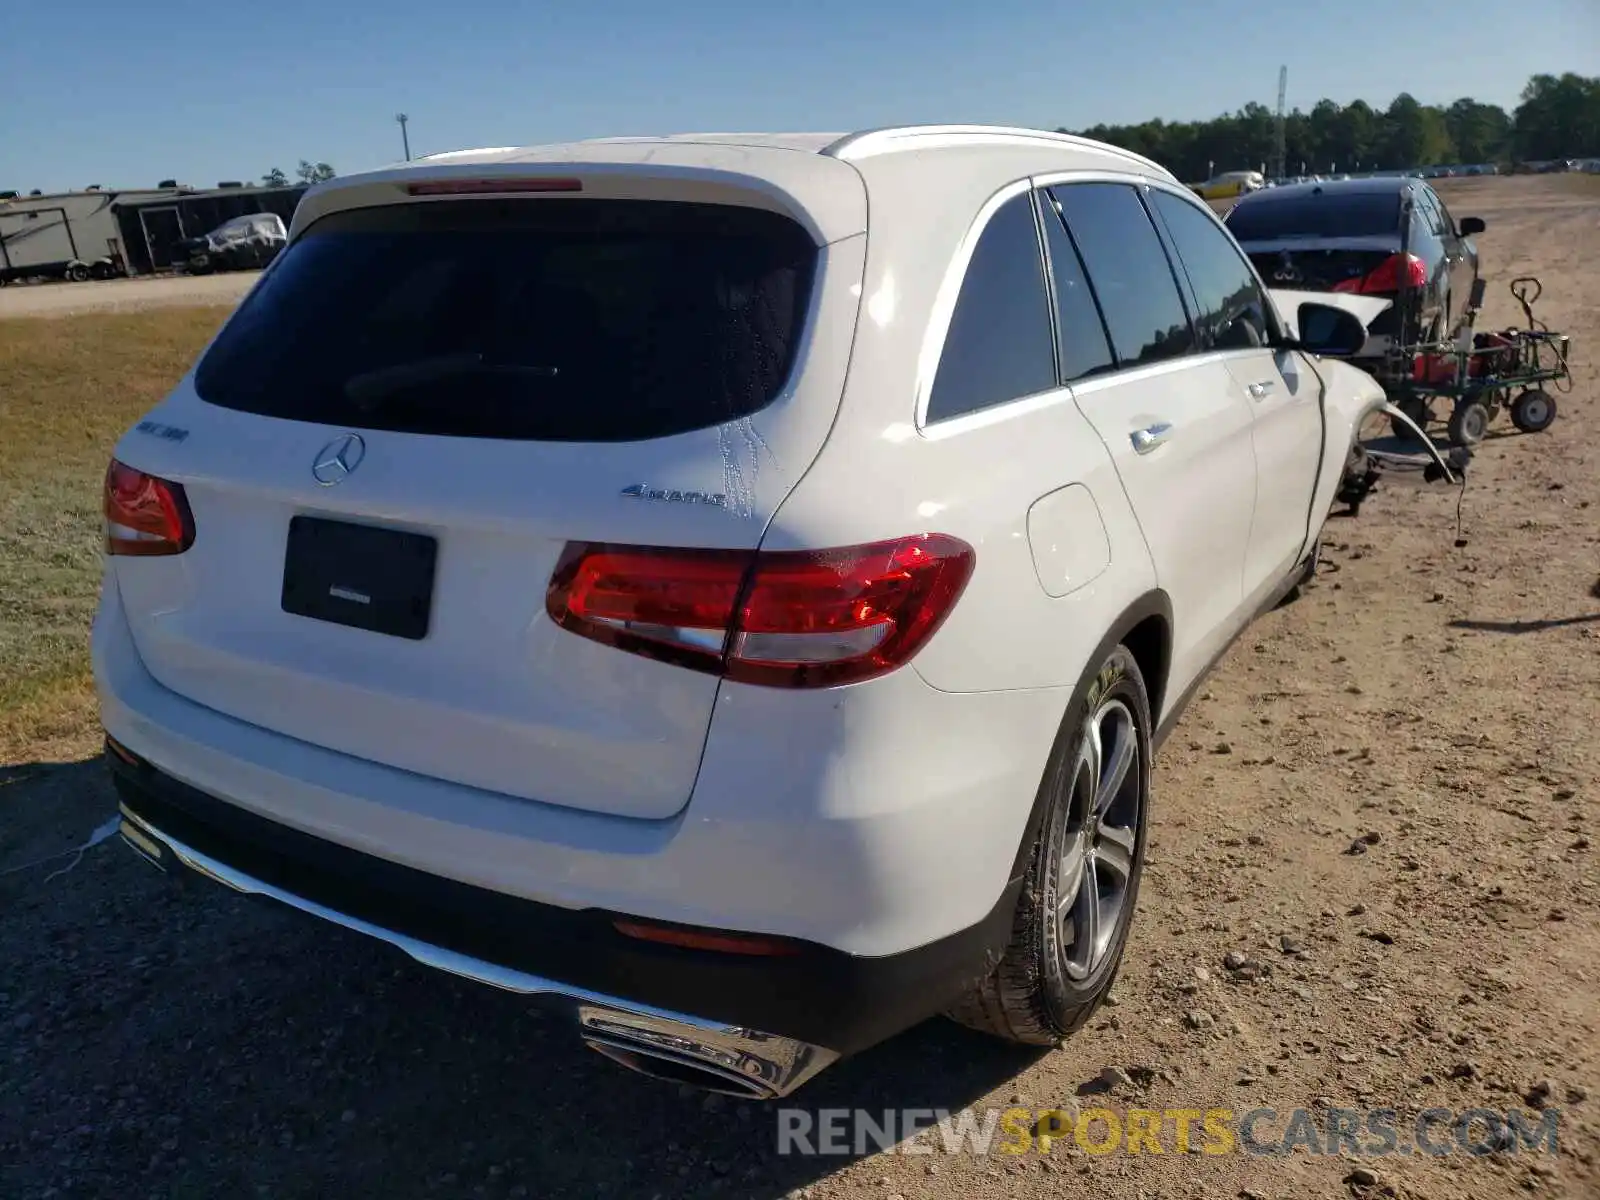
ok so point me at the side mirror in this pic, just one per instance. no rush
(1472, 225)
(1325, 329)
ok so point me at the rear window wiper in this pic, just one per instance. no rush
(371, 386)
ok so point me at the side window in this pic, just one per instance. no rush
(1080, 332)
(1446, 221)
(999, 346)
(1232, 309)
(1428, 209)
(1129, 270)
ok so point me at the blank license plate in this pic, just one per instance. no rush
(360, 575)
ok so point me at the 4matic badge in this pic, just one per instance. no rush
(643, 491)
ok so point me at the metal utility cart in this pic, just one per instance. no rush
(1481, 373)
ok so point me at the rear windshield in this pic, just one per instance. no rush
(547, 319)
(1329, 215)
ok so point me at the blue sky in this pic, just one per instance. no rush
(125, 95)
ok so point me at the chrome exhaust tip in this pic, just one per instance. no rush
(145, 847)
(678, 1069)
(725, 1059)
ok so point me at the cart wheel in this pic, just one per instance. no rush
(1468, 423)
(1533, 411)
(1415, 407)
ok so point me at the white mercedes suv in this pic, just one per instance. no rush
(730, 586)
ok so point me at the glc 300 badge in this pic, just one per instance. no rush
(643, 491)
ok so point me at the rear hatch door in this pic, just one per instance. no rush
(389, 445)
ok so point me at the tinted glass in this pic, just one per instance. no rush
(1267, 218)
(1428, 210)
(1079, 331)
(1232, 310)
(1129, 270)
(552, 320)
(999, 346)
(1447, 223)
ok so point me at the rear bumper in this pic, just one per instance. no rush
(773, 1021)
(872, 820)
(716, 1056)
(876, 833)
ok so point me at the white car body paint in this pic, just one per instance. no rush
(1068, 539)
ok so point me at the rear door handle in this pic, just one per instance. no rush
(1261, 389)
(1150, 437)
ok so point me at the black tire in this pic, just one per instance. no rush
(1050, 979)
(1468, 423)
(77, 273)
(1414, 407)
(1534, 411)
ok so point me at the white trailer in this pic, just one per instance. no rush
(66, 235)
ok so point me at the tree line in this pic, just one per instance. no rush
(1558, 117)
(306, 172)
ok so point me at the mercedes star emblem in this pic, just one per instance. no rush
(337, 459)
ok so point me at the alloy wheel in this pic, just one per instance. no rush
(1099, 838)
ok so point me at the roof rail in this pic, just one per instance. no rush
(441, 154)
(893, 137)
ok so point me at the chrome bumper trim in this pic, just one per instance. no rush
(726, 1058)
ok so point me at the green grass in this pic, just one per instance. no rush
(69, 388)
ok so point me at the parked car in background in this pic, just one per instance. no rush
(242, 243)
(1384, 236)
(731, 586)
(1230, 184)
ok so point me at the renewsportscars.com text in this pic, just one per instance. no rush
(1363, 1132)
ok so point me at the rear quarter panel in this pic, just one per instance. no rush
(881, 475)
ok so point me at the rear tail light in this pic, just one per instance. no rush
(145, 515)
(1389, 276)
(780, 618)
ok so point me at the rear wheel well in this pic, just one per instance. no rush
(1145, 628)
(1150, 643)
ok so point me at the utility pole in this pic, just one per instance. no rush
(1283, 89)
(405, 139)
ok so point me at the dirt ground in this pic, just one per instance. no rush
(122, 295)
(1372, 884)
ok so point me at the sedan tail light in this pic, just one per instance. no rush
(145, 515)
(810, 618)
(1386, 278)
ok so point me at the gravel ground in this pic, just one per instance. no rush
(123, 295)
(1372, 884)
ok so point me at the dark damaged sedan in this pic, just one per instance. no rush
(1389, 237)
